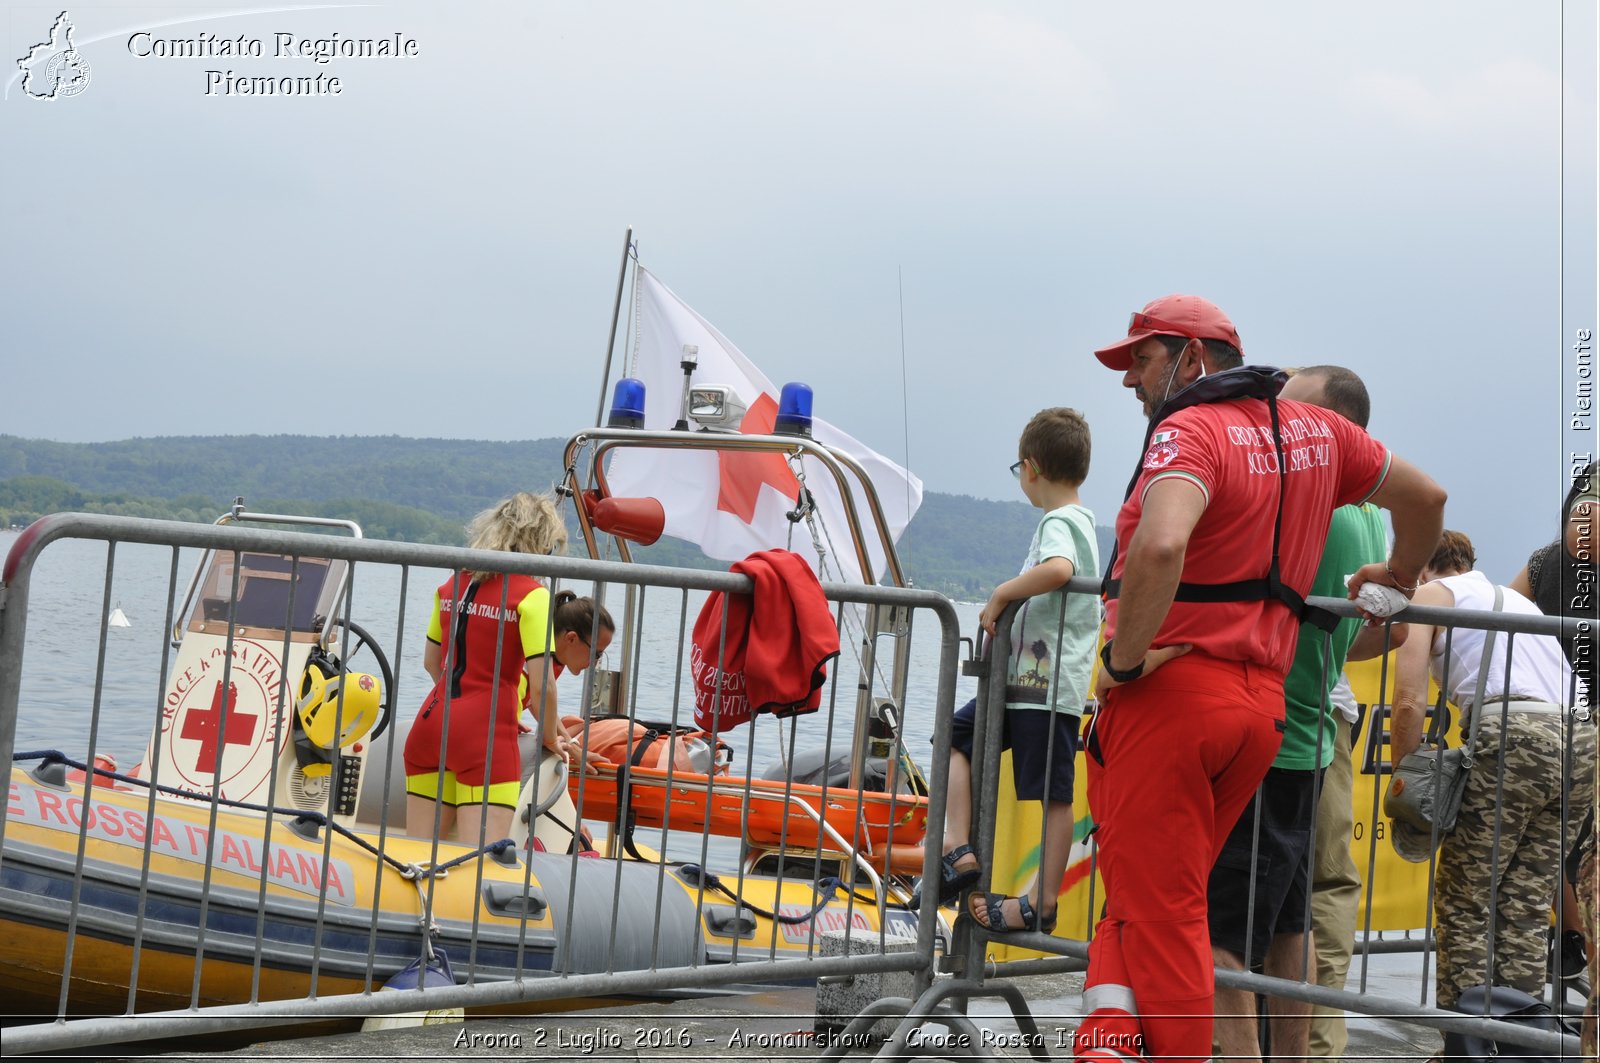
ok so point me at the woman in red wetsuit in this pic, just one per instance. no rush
(491, 652)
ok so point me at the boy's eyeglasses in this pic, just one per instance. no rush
(1016, 469)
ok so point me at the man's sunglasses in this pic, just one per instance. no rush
(1142, 321)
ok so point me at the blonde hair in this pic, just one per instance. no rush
(525, 523)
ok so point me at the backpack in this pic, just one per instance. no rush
(1507, 1005)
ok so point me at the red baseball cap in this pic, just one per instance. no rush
(1171, 315)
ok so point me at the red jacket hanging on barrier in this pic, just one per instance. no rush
(779, 640)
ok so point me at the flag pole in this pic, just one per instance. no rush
(616, 313)
(630, 608)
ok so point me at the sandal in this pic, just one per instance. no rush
(952, 879)
(993, 919)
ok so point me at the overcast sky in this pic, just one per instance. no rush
(433, 251)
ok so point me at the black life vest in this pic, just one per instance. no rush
(1243, 382)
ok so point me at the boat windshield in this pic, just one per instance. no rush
(275, 593)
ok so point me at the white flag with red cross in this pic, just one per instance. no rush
(733, 504)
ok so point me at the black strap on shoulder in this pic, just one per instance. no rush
(459, 666)
(1243, 382)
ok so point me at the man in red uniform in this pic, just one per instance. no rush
(1229, 507)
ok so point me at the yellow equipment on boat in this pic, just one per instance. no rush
(333, 706)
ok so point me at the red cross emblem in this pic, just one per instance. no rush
(740, 474)
(202, 725)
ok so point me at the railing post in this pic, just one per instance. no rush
(13, 634)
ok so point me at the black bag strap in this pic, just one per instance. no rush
(1484, 664)
(1243, 382)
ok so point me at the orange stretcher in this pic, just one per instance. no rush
(764, 812)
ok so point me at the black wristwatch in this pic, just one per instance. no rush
(1121, 675)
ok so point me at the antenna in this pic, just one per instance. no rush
(905, 414)
(616, 312)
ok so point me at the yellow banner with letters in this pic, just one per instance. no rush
(1396, 891)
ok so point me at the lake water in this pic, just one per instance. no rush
(69, 595)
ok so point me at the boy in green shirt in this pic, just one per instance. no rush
(1052, 655)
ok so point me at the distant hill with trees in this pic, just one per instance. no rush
(424, 490)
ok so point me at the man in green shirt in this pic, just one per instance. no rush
(1259, 888)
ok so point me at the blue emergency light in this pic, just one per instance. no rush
(794, 411)
(627, 404)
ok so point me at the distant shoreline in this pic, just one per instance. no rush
(425, 490)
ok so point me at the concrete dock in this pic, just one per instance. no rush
(774, 1025)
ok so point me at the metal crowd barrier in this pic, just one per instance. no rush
(104, 924)
(974, 971)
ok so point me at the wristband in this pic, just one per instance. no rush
(1401, 587)
(1121, 675)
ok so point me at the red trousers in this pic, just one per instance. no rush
(1183, 749)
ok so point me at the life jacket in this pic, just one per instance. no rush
(643, 744)
(1242, 382)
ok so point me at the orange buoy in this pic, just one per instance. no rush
(104, 762)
